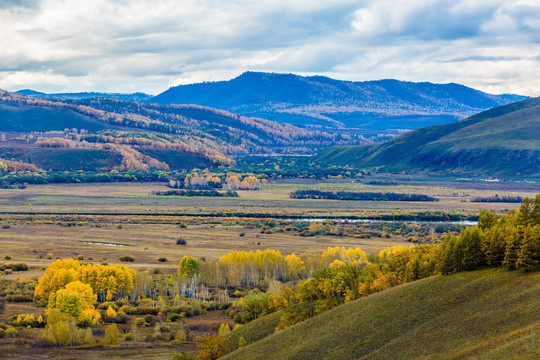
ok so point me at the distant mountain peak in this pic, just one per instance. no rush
(320, 101)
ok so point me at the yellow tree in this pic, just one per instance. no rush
(57, 276)
(188, 266)
(212, 347)
(111, 336)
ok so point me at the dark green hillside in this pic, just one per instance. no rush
(63, 159)
(501, 141)
(178, 159)
(25, 118)
(488, 314)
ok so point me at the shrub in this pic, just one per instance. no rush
(163, 259)
(7, 257)
(129, 337)
(173, 317)
(111, 336)
(127, 258)
(149, 319)
(183, 356)
(119, 226)
(139, 322)
(11, 332)
(182, 226)
(242, 234)
(80, 257)
(181, 242)
(242, 342)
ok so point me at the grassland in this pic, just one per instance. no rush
(487, 314)
(38, 225)
(137, 198)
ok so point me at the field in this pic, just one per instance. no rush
(98, 223)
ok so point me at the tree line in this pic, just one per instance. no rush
(359, 196)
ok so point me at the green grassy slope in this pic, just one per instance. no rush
(63, 159)
(25, 118)
(501, 141)
(488, 314)
(256, 330)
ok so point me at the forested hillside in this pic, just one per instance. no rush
(321, 101)
(104, 134)
(501, 141)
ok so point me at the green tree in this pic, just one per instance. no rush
(529, 252)
(447, 261)
(188, 267)
(494, 245)
(513, 246)
(471, 239)
(487, 220)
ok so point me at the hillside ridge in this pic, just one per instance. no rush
(325, 102)
(500, 141)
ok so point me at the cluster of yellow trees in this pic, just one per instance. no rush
(196, 180)
(243, 267)
(11, 166)
(72, 291)
(249, 182)
(340, 275)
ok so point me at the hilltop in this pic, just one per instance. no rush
(501, 141)
(487, 314)
(324, 102)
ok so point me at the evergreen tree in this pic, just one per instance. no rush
(471, 242)
(529, 253)
(513, 245)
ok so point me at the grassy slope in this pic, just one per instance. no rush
(24, 118)
(63, 159)
(502, 140)
(488, 314)
(257, 329)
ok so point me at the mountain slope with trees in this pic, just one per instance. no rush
(501, 141)
(142, 136)
(322, 101)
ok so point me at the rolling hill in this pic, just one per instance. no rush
(106, 134)
(501, 141)
(487, 314)
(323, 102)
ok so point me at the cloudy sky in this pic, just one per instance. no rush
(150, 45)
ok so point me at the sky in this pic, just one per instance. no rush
(150, 45)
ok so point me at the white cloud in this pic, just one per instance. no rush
(149, 45)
